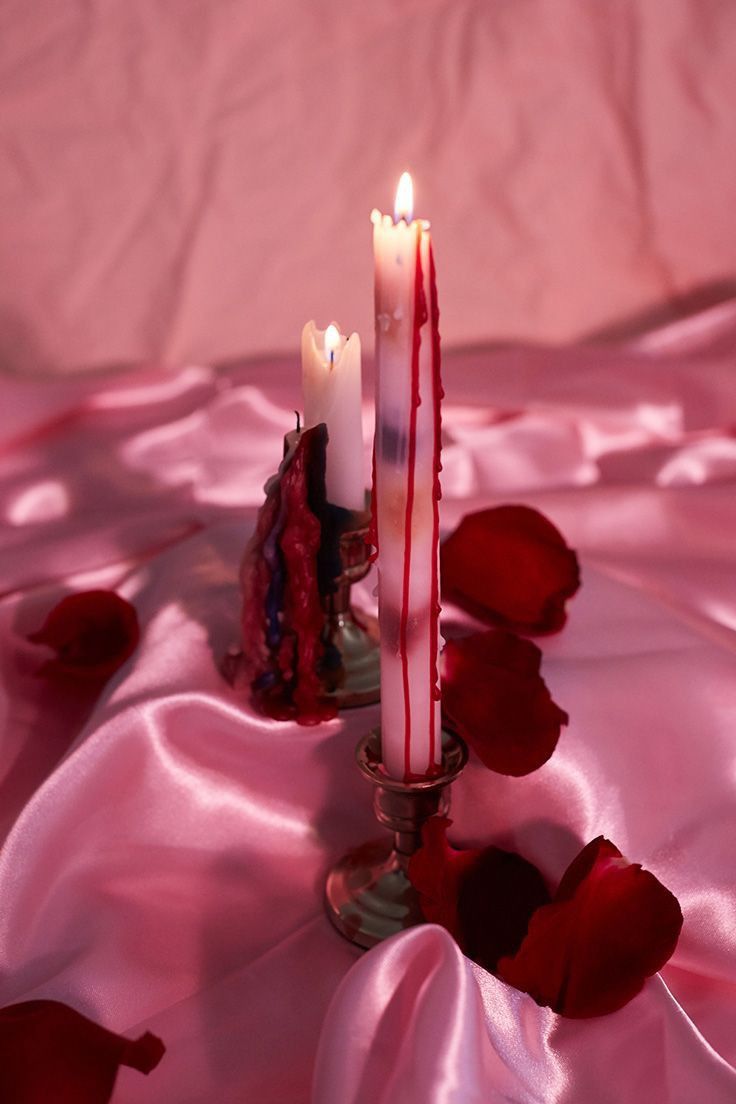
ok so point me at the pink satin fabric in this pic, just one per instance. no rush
(165, 849)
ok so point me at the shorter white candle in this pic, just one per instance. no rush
(331, 387)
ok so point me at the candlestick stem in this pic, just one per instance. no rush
(356, 638)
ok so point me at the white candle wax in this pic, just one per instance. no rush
(407, 492)
(332, 394)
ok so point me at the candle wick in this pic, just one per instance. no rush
(298, 422)
(332, 356)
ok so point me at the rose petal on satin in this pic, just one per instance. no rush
(510, 565)
(610, 926)
(436, 871)
(51, 1053)
(484, 897)
(496, 699)
(92, 632)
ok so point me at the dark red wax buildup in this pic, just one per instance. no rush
(284, 577)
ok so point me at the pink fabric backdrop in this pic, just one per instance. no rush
(192, 181)
(166, 850)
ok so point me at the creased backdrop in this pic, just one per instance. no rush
(188, 179)
(165, 849)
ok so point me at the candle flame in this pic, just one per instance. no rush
(404, 206)
(332, 342)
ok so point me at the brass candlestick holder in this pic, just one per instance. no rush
(368, 895)
(355, 637)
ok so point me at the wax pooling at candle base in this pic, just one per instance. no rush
(407, 491)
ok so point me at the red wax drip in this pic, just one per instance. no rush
(420, 317)
(255, 575)
(372, 535)
(285, 676)
(299, 543)
(434, 607)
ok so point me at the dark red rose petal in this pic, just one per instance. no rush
(610, 926)
(484, 897)
(495, 698)
(436, 871)
(50, 1053)
(92, 633)
(510, 565)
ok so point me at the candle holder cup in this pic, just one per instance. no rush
(355, 637)
(368, 895)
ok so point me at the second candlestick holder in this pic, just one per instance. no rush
(354, 635)
(368, 895)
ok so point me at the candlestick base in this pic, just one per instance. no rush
(368, 895)
(356, 638)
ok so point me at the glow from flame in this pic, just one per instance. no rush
(404, 205)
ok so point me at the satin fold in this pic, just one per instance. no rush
(165, 849)
(415, 1021)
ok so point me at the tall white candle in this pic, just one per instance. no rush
(331, 390)
(407, 465)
